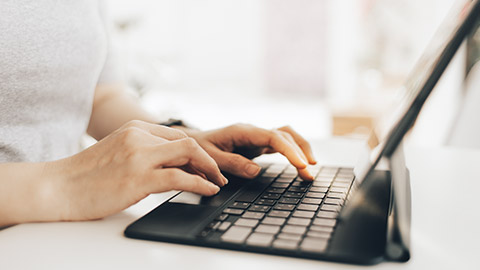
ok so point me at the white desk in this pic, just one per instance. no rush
(445, 228)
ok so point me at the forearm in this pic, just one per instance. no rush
(30, 193)
(113, 107)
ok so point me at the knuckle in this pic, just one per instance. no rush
(134, 156)
(235, 160)
(288, 135)
(276, 133)
(133, 123)
(239, 126)
(190, 144)
(130, 135)
(179, 133)
(287, 128)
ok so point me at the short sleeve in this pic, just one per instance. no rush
(111, 71)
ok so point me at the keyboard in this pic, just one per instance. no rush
(280, 211)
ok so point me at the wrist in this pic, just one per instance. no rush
(48, 194)
(31, 193)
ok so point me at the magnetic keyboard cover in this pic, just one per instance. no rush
(282, 212)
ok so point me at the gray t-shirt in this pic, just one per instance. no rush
(53, 53)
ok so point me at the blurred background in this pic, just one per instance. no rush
(325, 67)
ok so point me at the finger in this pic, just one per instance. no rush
(279, 143)
(176, 179)
(187, 152)
(305, 174)
(235, 163)
(158, 130)
(293, 144)
(246, 135)
(304, 145)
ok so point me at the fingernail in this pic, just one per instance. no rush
(215, 188)
(225, 180)
(253, 170)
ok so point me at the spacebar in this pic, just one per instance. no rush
(252, 191)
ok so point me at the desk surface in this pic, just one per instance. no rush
(444, 227)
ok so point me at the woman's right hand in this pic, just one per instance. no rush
(134, 161)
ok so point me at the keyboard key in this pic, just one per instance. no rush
(307, 207)
(315, 195)
(273, 221)
(252, 191)
(342, 179)
(338, 189)
(253, 215)
(280, 185)
(336, 195)
(326, 174)
(314, 171)
(294, 229)
(270, 174)
(285, 244)
(319, 234)
(271, 196)
(327, 214)
(276, 190)
(328, 179)
(298, 221)
(301, 183)
(275, 169)
(330, 207)
(233, 211)
(346, 170)
(277, 213)
(288, 236)
(224, 226)
(298, 189)
(222, 217)
(324, 229)
(317, 245)
(272, 229)
(334, 201)
(325, 222)
(341, 184)
(236, 234)
(260, 239)
(259, 208)
(286, 207)
(240, 205)
(246, 222)
(303, 214)
(289, 200)
(290, 194)
(285, 180)
(267, 202)
(318, 189)
(289, 174)
(323, 184)
(290, 169)
(312, 201)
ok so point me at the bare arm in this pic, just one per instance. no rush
(134, 161)
(113, 107)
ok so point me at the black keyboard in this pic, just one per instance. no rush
(283, 212)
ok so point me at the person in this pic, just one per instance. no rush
(56, 83)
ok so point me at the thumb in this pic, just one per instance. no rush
(235, 164)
